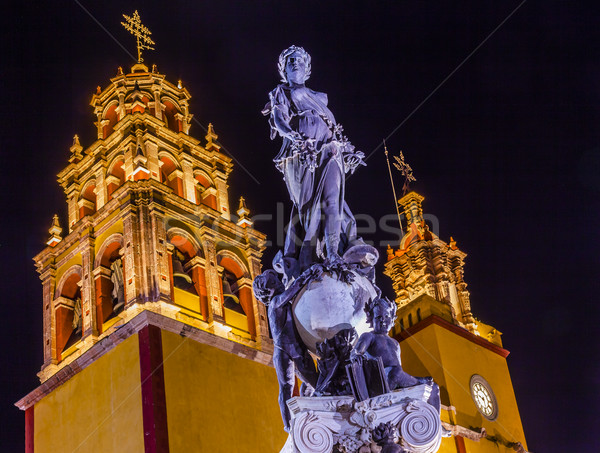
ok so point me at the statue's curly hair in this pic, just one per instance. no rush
(283, 60)
(382, 302)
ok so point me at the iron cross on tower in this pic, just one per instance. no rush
(142, 34)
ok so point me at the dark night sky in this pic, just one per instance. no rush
(506, 153)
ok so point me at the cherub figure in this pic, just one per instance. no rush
(290, 354)
(381, 314)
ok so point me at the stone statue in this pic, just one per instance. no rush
(77, 323)
(326, 295)
(290, 354)
(314, 157)
(381, 314)
(116, 277)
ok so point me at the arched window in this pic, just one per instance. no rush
(87, 200)
(418, 315)
(188, 278)
(115, 177)
(410, 323)
(182, 278)
(205, 190)
(68, 311)
(231, 293)
(171, 175)
(401, 324)
(237, 294)
(112, 117)
(171, 114)
(109, 280)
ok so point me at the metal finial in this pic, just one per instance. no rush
(393, 185)
(406, 171)
(142, 34)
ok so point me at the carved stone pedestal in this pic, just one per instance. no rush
(340, 424)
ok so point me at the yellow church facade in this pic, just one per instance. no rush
(153, 340)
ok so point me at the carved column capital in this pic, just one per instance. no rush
(320, 424)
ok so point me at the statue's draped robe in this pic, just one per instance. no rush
(306, 112)
(116, 276)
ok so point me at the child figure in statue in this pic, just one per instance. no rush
(313, 159)
(381, 314)
(290, 354)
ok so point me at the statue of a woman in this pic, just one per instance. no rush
(314, 157)
(118, 292)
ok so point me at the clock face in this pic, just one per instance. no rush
(484, 397)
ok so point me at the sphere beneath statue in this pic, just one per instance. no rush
(323, 308)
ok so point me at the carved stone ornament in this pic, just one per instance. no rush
(340, 424)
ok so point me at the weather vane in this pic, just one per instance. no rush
(406, 171)
(142, 34)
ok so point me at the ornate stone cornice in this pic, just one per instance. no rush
(433, 319)
(125, 331)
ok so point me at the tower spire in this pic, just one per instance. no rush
(75, 149)
(55, 231)
(243, 212)
(211, 138)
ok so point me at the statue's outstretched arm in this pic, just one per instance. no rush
(288, 295)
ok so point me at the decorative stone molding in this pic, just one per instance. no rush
(467, 433)
(321, 423)
(132, 321)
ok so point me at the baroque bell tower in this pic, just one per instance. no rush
(440, 337)
(153, 340)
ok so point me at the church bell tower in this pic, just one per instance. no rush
(440, 337)
(153, 341)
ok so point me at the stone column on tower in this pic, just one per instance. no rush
(161, 256)
(131, 254)
(48, 278)
(189, 183)
(101, 189)
(88, 299)
(153, 163)
(213, 282)
(158, 107)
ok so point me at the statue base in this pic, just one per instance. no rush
(334, 424)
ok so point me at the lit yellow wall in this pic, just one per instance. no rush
(116, 227)
(219, 402)
(490, 333)
(448, 445)
(427, 305)
(238, 322)
(97, 410)
(187, 300)
(66, 266)
(452, 360)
